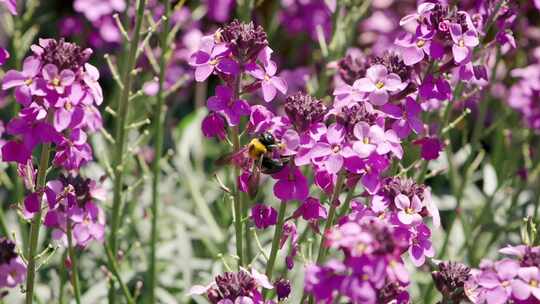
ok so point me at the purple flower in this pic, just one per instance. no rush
(408, 117)
(25, 81)
(11, 6)
(263, 216)
(224, 103)
(463, 42)
(291, 184)
(408, 209)
(379, 83)
(421, 11)
(213, 125)
(421, 246)
(210, 57)
(527, 283)
(413, 48)
(73, 152)
(333, 152)
(496, 284)
(12, 268)
(430, 147)
(57, 81)
(4, 56)
(374, 138)
(311, 210)
(438, 88)
(270, 83)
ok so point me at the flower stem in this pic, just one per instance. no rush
(36, 223)
(74, 264)
(275, 241)
(159, 121)
(237, 202)
(122, 114)
(331, 216)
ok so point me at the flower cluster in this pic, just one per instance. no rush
(373, 238)
(12, 268)
(70, 201)
(515, 278)
(523, 94)
(58, 91)
(236, 288)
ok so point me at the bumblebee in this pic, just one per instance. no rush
(259, 148)
(260, 151)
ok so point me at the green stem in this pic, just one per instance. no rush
(275, 241)
(3, 226)
(36, 223)
(331, 216)
(238, 203)
(74, 265)
(63, 279)
(116, 274)
(120, 138)
(159, 121)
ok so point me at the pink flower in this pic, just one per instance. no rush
(463, 42)
(291, 184)
(4, 56)
(263, 216)
(57, 81)
(408, 209)
(24, 81)
(270, 83)
(210, 57)
(378, 83)
(527, 283)
(11, 6)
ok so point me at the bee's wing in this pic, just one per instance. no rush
(227, 158)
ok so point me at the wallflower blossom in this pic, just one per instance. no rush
(12, 267)
(463, 42)
(263, 216)
(4, 56)
(224, 103)
(379, 84)
(10, 5)
(235, 287)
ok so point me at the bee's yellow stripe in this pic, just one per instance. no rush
(256, 148)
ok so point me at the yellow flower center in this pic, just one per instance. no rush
(68, 106)
(533, 283)
(213, 62)
(266, 77)
(366, 140)
(28, 81)
(55, 82)
(336, 149)
(409, 210)
(365, 277)
(379, 85)
(360, 248)
(420, 43)
(505, 283)
(461, 43)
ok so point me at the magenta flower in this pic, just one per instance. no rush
(379, 83)
(224, 103)
(463, 42)
(421, 11)
(12, 267)
(496, 285)
(25, 81)
(413, 48)
(210, 57)
(408, 117)
(311, 210)
(430, 147)
(73, 152)
(527, 284)
(270, 83)
(11, 6)
(408, 209)
(4, 56)
(421, 246)
(213, 125)
(374, 138)
(57, 81)
(291, 184)
(333, 152)
(263, 216)
(438, 88)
